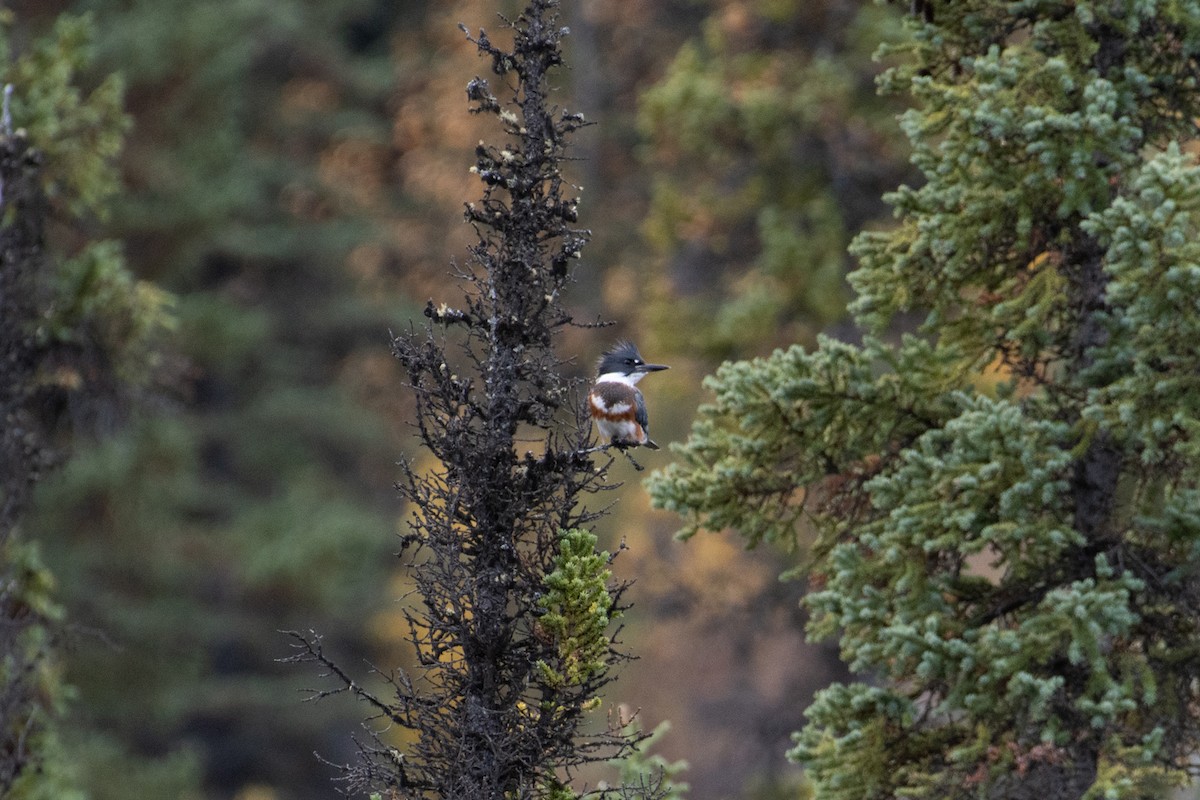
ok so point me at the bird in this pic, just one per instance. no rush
(615, 403)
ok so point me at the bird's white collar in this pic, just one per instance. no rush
(621, 377)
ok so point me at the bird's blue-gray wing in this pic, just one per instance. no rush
(639, 411)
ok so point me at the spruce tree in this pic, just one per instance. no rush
(769, 149)
(28, 692)
(253, 493)
(78, 337)
(511, 617)
(1005, 501)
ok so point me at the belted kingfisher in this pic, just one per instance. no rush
(615, 402)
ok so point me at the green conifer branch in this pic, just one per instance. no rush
(1004, 509)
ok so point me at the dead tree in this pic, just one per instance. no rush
(510, 619)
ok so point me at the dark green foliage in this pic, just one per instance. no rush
(98, 328)
(256, 495)
(1005, 504)
(771, 149)
(80, 133)
(76, 336)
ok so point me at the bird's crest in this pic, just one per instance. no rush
(620, 354)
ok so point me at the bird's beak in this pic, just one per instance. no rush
(652, 367)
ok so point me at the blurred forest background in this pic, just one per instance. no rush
(291, 187)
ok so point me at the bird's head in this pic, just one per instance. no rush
(624, 362)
